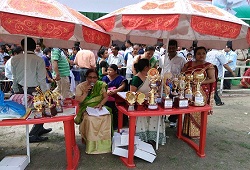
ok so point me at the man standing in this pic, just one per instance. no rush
(61, 72)
(36, 76)
(129, 60)
(38, 51)
(241, 61)
(173, 63)
(218, 59)
(116, 58)
(85, 59)
(231, 57)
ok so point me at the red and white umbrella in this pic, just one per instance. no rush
(183, 20)
(56, 23)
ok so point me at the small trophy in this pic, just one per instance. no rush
(198, 96)
(130, 98)
(140, 98)
(38, 105)
(181, 101)
(167, 102)
(57, 98)
(154, 78)
(50, 108)
(188, 92)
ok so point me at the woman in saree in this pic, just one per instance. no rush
(191, 124)
(95, 130)
(148, 54)
(116, 83)
(146, 126)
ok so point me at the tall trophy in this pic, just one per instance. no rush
(38, 103)
(140, 98)
(57, 98)
(188, 92)
(50, 108)
(198, 96)
(130, 99)
(153, 77)
(180, 101)
(167, 102)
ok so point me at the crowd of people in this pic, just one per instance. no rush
(95, 80)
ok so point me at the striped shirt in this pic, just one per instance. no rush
(63, 65)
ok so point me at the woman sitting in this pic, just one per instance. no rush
(95, 130)
(191, 124)
(102, 65)
(116, 83)
(146, 127)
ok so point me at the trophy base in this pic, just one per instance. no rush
(152, 107)
(180, 103)
(199, 104)
(37, 114)
(167, 103)
(140, 107)
(199, 101)
(131, 108)
(59, 109)
(50, 111)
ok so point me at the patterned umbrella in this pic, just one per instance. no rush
(183, 20)
(56, 23)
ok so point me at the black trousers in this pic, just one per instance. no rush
(227, 82)
(216, 96)
(37, 128)
(82, 73)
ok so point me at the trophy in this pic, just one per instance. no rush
(38, 102)
(188, 92)
(50, 108)
(130, 98)
(181, 101)
(175, 86)
(198, 96)
(57, 98)
(167, 102)
(154, 78)
(140, 98)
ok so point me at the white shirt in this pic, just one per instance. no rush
(217, 58)
(174, 65)
(8, 72)
(130, 62)
(117, 60)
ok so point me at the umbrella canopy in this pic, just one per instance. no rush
(183, 20)
(56, 23)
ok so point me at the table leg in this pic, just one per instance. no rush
(120, 120)
(203, 132)
(68, 143)
(179, 127)
(129, 162)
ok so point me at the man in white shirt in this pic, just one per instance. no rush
(116, 58)
(173, 63)
(242, 55)
(129, 60)
(38, 51)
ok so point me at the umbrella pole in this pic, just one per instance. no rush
(25, 95)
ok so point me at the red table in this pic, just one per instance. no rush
(199, 148)
(72, 150)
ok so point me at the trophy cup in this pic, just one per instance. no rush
(38, 103)
(140, 98)
(57, 98)
(188, 92)
(130, 98)
(154, 77)
(50, 108)
(181, 101)
(167, 102)
(198, 96)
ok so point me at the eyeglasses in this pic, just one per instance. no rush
(90, 77)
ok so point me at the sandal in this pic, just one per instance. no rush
(220, 104)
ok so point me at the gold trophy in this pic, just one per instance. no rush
(175, 86)
(198, 96)
(154, 77)
(57, 98)
(188, 92)
(130, 98)
(38, 103)
(167, 102)
(140, 98)
(181, 101)
(50, 108)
